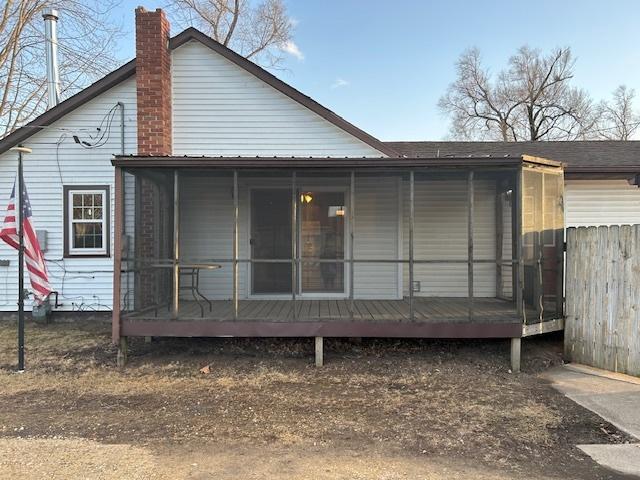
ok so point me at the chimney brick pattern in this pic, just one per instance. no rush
(153, 82)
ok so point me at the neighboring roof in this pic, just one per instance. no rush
(187, 35)
(583, 156)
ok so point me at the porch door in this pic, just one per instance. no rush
(271, 240)
(322, 239)
(321, 233)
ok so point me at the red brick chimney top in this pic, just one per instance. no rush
(153, 82)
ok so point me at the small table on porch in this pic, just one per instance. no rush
(192, 272)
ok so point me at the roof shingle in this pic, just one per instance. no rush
(576, 155)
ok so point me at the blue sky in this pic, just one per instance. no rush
(383, 64)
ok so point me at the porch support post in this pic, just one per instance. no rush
(235, 245)
(352, 221)
(515, 354)
(294, 243)
(123, 351)
(470, 215)
(319, 351)
(412, 215)
(176, 245)
(518, 281)
(117, 254)
(499, 239)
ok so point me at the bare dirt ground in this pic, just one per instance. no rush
(379, 409)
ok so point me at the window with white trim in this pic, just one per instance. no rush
(87, 221)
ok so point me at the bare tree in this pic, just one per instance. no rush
(260, 32)
(617, 119)
(479, 108)
(86, 38)
(530, 100)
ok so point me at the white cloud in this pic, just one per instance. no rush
(339, 83)
(292, 49)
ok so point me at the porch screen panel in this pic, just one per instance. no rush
(440, 235)
(127, 282)
(552, 245)
(485, 229)
(532, 228)
(542, 243)
(504, 235)
(377, 236)
(206, 232)
(147, 244)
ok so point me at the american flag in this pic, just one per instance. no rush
(32, 253)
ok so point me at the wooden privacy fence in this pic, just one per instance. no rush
(602, 327)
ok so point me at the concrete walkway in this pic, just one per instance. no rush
(617, 401)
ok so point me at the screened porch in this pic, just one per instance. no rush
(337, 247)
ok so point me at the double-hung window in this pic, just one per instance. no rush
(86, 221)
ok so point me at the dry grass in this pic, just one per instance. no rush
(440, 399)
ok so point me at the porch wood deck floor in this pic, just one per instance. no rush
(426, 309)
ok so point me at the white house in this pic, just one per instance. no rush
(194, 193)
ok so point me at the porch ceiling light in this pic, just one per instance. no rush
(306, 197)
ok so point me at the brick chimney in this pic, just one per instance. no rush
(153, 82)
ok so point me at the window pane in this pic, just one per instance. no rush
(87, 235)
(90, 241)
(97, 213)
(77, 200)
(322, 235)
(77, 213)
(78, 241)
(87, 200)
(80, 228)
(97, 201)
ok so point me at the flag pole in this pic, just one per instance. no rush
(19, 225)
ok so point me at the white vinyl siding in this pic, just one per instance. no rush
(221, 109)
(441, 233)
(601, 202)
(83, 283)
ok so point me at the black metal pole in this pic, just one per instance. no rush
(19, 213)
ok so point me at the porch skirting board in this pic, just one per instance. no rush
(182, 328)
(434, 317)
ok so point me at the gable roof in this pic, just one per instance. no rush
(128, 69)
(604, 156)
(47, 118)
